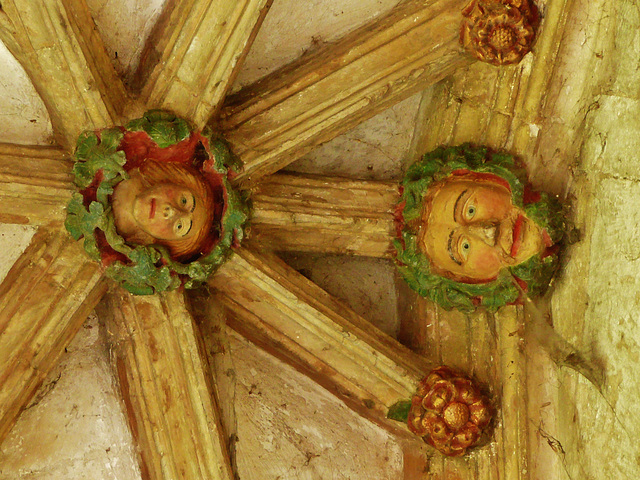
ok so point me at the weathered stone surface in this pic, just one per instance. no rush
(57, 44)
(596, 302)
(76, 422)
(297, 426)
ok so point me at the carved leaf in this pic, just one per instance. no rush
(163, 127)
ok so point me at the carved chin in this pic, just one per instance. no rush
(131, 232)
(138, 237)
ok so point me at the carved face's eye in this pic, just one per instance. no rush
(465, 248)
(182, 227)
(183, 200)
(471, 211)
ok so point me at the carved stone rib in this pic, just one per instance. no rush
(324, 215)
(57, 43)
(35, 184)
(280, 118)
(165, 386)
(514, 434)
(291, 317)
(505, 108)
(193, 52)
(508, 107)
(44, 300)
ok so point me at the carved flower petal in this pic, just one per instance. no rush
(465, 438)
(437, 429)
(440, 395)
(416, 425)
(480, 414)
(467, 392)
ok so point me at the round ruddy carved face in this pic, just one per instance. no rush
(471, 229)
(169, 212)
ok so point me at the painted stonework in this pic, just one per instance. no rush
(155, 206)
(471, 230)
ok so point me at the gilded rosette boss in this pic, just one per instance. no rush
(449, 412)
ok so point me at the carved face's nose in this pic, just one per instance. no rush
(167, 211)
(486, 232)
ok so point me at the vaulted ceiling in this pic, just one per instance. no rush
(547, 109)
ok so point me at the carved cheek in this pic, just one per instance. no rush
(484, 262)
(163, 229)
(158, 227)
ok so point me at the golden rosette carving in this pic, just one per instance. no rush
(499, 32)
(449, 412)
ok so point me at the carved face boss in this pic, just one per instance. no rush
(154, 205)
(469, 225)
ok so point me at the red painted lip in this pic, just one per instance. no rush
(517, 236)
(152, 210)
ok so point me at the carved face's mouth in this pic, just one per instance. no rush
(517, 235)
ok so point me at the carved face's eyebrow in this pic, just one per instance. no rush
(455, 206)
(193, 203)
(190, 225)
(450, 249)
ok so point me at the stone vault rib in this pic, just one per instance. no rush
(280, 310)
(166, 387)
(57, 43)
(280, 118)
(44, 300)
(506, 107)
(324, 215)
(35, 184)
(192, 55)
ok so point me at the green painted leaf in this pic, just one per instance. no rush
(144, 275)
(110, 139)
(75, 213)
(400, 411)
(164, 128)
(85, 144)
(94, 154)
(91, 247)
(222, 155)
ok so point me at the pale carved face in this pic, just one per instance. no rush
(164, 205)
(472, 230)
(169, 212)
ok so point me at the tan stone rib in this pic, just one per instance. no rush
(515, 422)
(522, 108)
(165, 383)
(35, 184)
(280, 118)
(44, 300)
(517, 108)
(194, 51)
(58, 45)
(324, 215)
(288, 315)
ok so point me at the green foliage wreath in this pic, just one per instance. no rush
(100, 164)
(415, 267)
